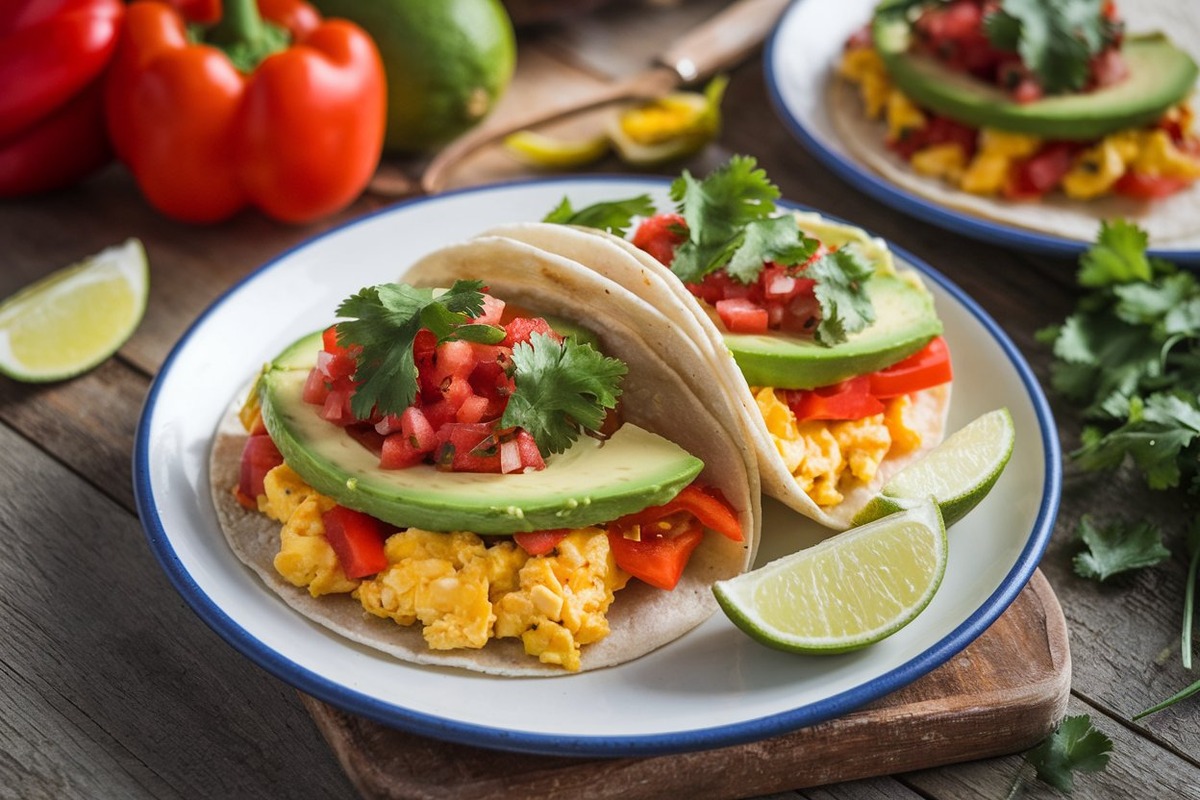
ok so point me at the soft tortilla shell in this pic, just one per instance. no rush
(656, 397)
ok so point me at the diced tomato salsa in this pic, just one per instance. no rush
(782, 299)
(462, 391)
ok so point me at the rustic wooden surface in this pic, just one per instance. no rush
(111, 687)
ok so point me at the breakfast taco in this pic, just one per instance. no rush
(486, 466)
(833, 354)
(1027, 115)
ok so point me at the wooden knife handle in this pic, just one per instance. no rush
(723, 40)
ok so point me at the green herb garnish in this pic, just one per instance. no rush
(615, 216)
(1074, 746)
(560, 388)
(1118, 547)
(1055, 40)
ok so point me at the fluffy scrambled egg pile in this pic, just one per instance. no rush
(462, 590)
(1094, 171)
(824, 455)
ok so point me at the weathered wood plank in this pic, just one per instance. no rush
(109, 685)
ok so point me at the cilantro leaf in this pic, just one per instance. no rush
(384, 321)
(1074, 745)
(773, 239)
(1159, 429)
(560, 388)
(1118, 256)
(1118, 548)
(614, 216)
(840, 279)
(717, 210)
(1056, 41)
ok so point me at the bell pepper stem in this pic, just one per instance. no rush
(244, 35)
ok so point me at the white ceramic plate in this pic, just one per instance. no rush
(799, 62)
(714, 686)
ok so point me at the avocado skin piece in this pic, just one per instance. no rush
(1160, 75)
(905, 321)
(589, 484)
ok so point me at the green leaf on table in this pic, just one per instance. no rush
(1075, 745)
(1118, 547)
(1157, 432)
(1118, 256)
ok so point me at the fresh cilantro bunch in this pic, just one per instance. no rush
(1129, 358)
(561, 388)
(1056, 39)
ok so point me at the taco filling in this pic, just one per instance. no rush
(1022, 101)
(835, 355)
(441, 457)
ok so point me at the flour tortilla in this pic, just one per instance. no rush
(658, 396)
(1165, 220)
(686, 318)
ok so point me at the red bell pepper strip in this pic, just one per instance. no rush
(52, 57)
(656, 560)
(357, 539)
(295, 129)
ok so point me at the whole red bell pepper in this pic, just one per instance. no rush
(52, 57)
(274, 108)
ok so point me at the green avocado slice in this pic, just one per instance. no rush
(1160, 75)
(591, 483)
(905, 321)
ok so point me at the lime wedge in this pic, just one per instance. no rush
(540, 150)
(847, 592)
(958, 473)
(76, 317)
(669, 128)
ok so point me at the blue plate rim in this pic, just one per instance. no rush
(459, 732)
(867, 181)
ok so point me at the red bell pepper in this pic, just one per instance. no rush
(357, 539)
(52, 58)
(275, 108)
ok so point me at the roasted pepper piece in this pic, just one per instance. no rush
(283, 111)
(52, 57)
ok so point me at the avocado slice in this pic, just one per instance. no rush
(905, 321)
(1160, 75)
(592, 482)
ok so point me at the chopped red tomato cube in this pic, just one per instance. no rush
(1041, 172)
(519, 330)
(539, 543)
(399, 452)
(316, 388)
(660, 234)
(929, 366)
(741, 315)
(259, 456)
(1149, 187)
(357, 539)
(467, 447)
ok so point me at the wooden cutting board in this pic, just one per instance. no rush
(1000, 695)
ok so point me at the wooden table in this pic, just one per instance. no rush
(110, 686)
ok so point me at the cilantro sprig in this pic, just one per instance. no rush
(1129, 359)
(1075, 745)
(731, 221)
(1056, 41)
(561, 388)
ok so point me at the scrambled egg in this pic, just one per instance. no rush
(462, 590)
(824, 456)
(1094, 171)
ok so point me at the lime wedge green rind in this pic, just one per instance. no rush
(75, 318)
(958, 473)
(846, 593)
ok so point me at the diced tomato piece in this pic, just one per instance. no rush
(455, 359)
(456, 391)
(656, 560)
(357, 539)
(493, 311)
(416, 426)
(848, 399)
(330, 342)
(439, 413)
(742, 316)
(929, 366)
(316, 388)
(1041, 172)
(467, 447)
(490, 379)
(337, 406)
(660, 235)
(1149, 187)
(519, 330)
(539, 543)
(259, 456)
(531, 456)
(399, 451)
(473, 409)
(1109, 68)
